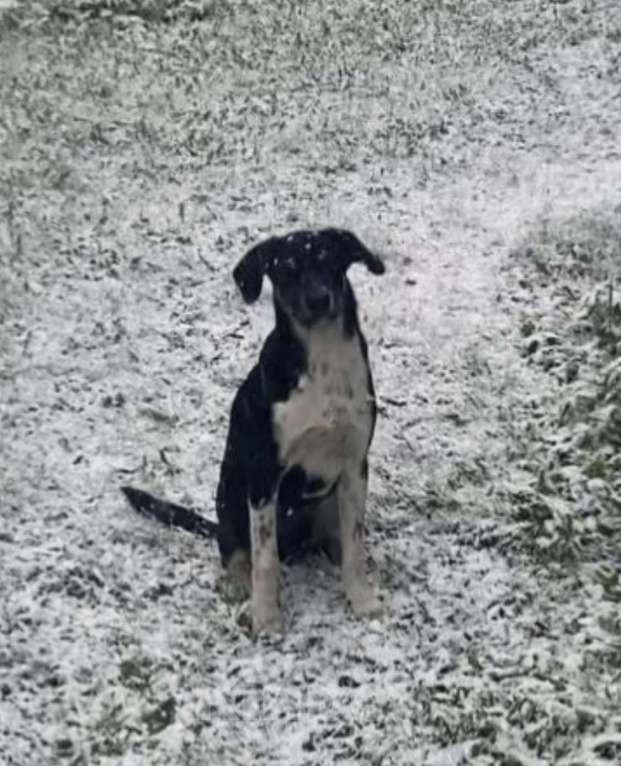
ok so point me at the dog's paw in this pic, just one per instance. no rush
(364, 601)
(243, 618)
(267, 619)
(231, 590)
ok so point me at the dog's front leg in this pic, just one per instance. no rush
(265, 601)
(352, 495)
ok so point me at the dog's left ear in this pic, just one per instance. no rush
(353, 251)
(249, 272)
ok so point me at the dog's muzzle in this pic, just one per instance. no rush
(319, 304)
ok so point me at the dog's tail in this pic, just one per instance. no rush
(169, 513)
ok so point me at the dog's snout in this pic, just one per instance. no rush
(319, 303)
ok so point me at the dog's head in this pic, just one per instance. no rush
(307, 270)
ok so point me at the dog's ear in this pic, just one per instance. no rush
(353, 251)
(249, 272)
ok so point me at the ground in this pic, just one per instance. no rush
(141, 155)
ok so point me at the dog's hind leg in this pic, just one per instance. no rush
(326, 535)
(236, 585)
(233, 535)
(352, 495)
(265, 603)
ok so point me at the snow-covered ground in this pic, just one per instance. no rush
(137, 165)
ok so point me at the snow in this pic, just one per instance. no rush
(123, 338)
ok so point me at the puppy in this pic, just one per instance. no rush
(294, 472)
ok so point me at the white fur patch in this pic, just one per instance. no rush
(266, 614)
(327, 418)
(352, 492)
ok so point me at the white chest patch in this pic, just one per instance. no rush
(327, 418)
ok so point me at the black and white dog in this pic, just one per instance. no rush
(294, 472)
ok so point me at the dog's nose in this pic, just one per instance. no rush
(318, 303)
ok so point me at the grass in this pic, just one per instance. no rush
(572, 509)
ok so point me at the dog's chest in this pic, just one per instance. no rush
(328, 417)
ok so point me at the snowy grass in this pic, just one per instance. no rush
(476, 145)
(573, 508)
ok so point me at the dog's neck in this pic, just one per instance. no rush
(327, 330)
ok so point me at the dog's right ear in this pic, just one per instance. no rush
(249, 272)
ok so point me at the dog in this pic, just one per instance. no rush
(294, 473)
